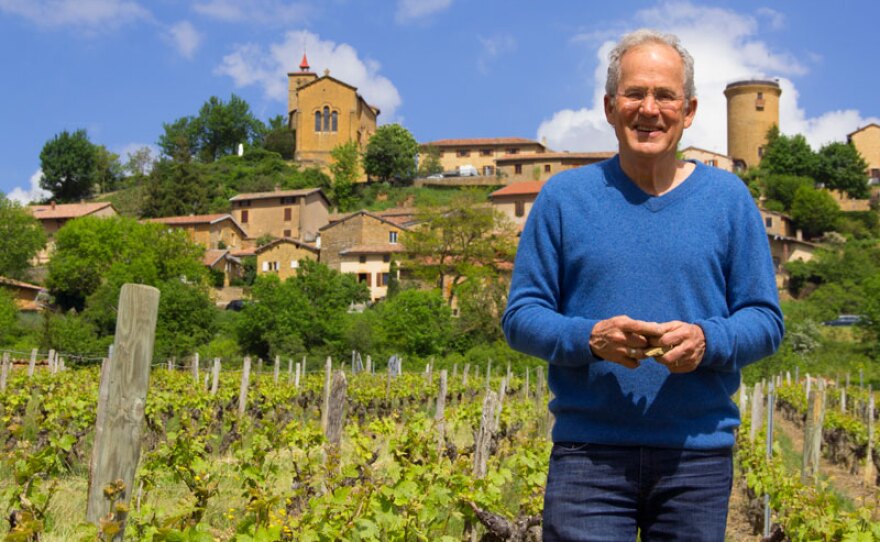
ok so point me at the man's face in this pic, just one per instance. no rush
(649, 112)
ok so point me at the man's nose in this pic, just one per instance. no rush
(649, 105)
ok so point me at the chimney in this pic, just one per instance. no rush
(53, 204)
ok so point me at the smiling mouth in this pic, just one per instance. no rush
(647, 129)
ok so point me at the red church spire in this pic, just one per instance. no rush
(304, 65)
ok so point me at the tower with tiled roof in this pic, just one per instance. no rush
(294, 81)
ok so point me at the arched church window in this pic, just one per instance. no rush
(333, 125)
(326, 119)
(317, 121)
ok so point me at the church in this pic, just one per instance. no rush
(325, 112)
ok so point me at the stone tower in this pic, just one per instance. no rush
(752, 108)
(294, 81)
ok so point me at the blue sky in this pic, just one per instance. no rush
(442, 68)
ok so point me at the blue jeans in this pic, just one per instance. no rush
(608, 493)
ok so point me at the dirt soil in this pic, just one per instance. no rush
(738, 527)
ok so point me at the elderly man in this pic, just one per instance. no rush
(646, 283)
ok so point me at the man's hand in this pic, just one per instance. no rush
(623, 340)
(684, 345)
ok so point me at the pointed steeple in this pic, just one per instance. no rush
(304, 64)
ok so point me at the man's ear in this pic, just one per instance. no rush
(609, 109)
(691, 111)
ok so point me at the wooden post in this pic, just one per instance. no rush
(4, 371)
(757, 408)
(215, 377)
(502, 392)
(870, 471)
(526, 395)
(483, 438)
(336, 401)
(787, 378)
(32, 363)
(277, 369)
(539, 387)
(440, 414)
(245, 382)
(743, 398)
(195, 368)
(464, 374)
(813, 435)
(289, 370)
(61, 365)
(369, 365)
(488, 373)
(325, 407)
(296, 376)
(122, 397)
(508, 372)
(170, 362)
(51, 361)
(843, 400)
(259, 365)
(304, 366)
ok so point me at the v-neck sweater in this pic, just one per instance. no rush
(596, 246)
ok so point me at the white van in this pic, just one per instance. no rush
(467, 170)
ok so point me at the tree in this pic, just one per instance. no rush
(179, 141)
(68, 162)
(280, 138)
(470, 240)
(814, 211)
(782, 188)
(8, 317)
(346, 170)
(480, 305)
(429, 161)
(140, 162)
(108, 169)
(21, 238)
(416, 321)
(788, 155)
(177, 188)
(841, 167)
(391, 154)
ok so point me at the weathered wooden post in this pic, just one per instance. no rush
(870, 470)
(4, 371)
(32, 363)
(757, 406)
(245, 382)
(215, 377)
(296, 376)
(369, 364)
(464, 375)
(195, 368)
(743, 398)
(813, 434)
(259, 365)
(170, 363)
(771, 396)
(304, 366)
(325, 407)
(277, 369)
(440, 414)
(289, 370)
(843, 400)
(483, 438)
(488, 373)
(61, 365)
(122, 397)
(336, 400)
(526, 394)
(502, 392)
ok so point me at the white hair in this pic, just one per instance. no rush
(641, 37)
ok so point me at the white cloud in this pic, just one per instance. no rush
(90, 14)
(263, 12)
(726, 46)
(184, 37)
(34, 193)
(250, 64)
(409, 10)
(776, 19)
(493, 48)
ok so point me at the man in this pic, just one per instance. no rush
(640, 252)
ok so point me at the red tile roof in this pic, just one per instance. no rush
(66, 210)
(19, 284)
(385, 248)
(276, 194)
(482, 141)
(596, 156)
(212, 256)
(519, 189)
(191, 219)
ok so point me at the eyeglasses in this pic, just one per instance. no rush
(666, 100)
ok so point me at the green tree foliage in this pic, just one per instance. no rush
(306, 311)
(468, 241)
(69, 162)
(280, 138)
(346, 170)
(8, 317)
(108, 170)
(216, 131)
(186, 318)
(21, 238)
(177, 188)
(870, 309)
(480, 305)
(841, 167)
(417, 322)
(72, 333)
(782, 189)
(814, 211)
(391, 154)
(393, 286)
(788, 155)
(429, 161)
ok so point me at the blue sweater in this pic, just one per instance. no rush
(596, 246)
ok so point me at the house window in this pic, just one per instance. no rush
(485, 152)
(768, 222)
(463, 153)
(513, 150)
(759, 102)
(488, 171)
(713, 163)
(333, 121)
(326, 119)
(761, 152)
(392, 237)
(317, 121)
(546, 168)
(287, 214)
(517, 169)
(289, 200)
(386, 258)
(294, 264)
(286, 233)
(875, 173)
(265, 266)
(383, 279)
(520, 208)
(244, 217)
(362, 259)
(364, 278)
(244, 203)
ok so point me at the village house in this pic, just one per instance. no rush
(710, 158)
(363, 244)
(515, 200)
(543, 165)
(222, 261)
(866, 140)
(281, 257)
(53, 216)
(482, 153)
(325, 112)
(26, 295)
(297, 214)
(786, 243)
(217, 231)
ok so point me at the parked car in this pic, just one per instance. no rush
(235, 305)
(844, 320)
(435, 176)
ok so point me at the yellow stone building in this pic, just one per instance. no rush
(54, 216)
(325, 112)
(752, 109)
(481, 153)
(541, 166)
(214, 232)
(714, 159)
(297, 214)
(282, 256)
(867, 141)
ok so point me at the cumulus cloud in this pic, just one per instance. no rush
(776, 19)
(726, 46)
(88, 14)
(409, 10)
(34, 193)
(263, 12)
(250, 64)
(184, 37)
(493, 48)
